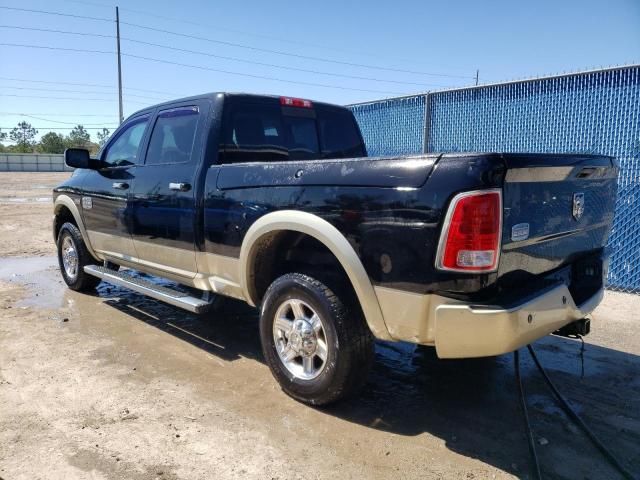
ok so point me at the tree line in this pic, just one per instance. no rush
(23, 137)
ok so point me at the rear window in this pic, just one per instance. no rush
(268, 132)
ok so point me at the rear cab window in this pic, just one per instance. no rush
(264, 130)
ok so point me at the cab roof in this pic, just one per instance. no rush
(217, 95)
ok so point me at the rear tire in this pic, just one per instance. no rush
(317, 348)
(73, 256)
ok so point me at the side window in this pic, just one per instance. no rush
(124, 149)
(173, 136)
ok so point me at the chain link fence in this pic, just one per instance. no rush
(590, 112)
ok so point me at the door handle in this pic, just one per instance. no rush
(120, 185)
(180, 187)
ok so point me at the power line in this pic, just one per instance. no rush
(242, 32)
(59, 128)
(249, 47)
(68, 98)
(283, 67)
(86, 85)
(61, 114)
(53, 121)
(66, 49)
(224, 57)
(75, 91)
(47, 12)
(53, 30)
(200, 67)
(262, 77)
(279, 52)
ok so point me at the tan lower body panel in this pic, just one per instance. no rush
(459, 330)
(108, 244)
(407, 315)
(207, 271)
(179, 261)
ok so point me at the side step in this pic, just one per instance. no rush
(145, 287)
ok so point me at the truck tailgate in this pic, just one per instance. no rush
(558, 209)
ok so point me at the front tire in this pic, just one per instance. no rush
(73, 256)
(318, 349)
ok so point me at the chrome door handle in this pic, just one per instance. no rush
(180, 187)
(120, 185)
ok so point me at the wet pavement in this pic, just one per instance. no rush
(25, 200)
(417, 417)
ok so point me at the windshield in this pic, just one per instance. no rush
(265, 131)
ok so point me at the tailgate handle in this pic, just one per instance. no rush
(586, 172)
(593, 172)
(180, 187)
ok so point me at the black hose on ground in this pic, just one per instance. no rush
(525, 414)
(574, 416)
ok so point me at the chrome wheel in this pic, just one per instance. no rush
(69, 258)
(300, 340)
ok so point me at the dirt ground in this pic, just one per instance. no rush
(117, 386)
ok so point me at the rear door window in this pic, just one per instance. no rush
(257, 131)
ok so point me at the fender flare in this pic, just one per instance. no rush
(331, 238)
(66, 201)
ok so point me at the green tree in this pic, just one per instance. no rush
(103, 136)
(3, 137)
(24, 137)
(79, 137)
(52, 143)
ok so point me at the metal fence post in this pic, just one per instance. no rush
(427, 123)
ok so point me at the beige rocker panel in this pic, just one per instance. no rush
(328, 235)
(66, 201)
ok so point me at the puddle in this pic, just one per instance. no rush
(17, 267)
(40, 276)
(25, 200)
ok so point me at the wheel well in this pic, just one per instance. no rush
(63, 216)
(281, 252)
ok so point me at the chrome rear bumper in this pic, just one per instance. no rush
(466, 331)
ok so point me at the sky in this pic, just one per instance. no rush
(330, 50)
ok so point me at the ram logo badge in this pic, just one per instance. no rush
(520, 232)
(578, 205)
(87, 203)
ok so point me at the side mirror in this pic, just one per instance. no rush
(78, 158)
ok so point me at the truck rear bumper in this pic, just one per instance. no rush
(468, 331)
(462, 330)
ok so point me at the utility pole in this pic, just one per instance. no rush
(477, 71)
(120, 117)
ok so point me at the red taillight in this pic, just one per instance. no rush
(295, 102)
(470, 239)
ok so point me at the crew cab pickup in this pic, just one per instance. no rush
(272, 200)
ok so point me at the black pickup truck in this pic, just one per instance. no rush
(272, 200)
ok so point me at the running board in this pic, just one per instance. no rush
(150, 289)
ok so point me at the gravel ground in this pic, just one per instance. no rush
(114, 385)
